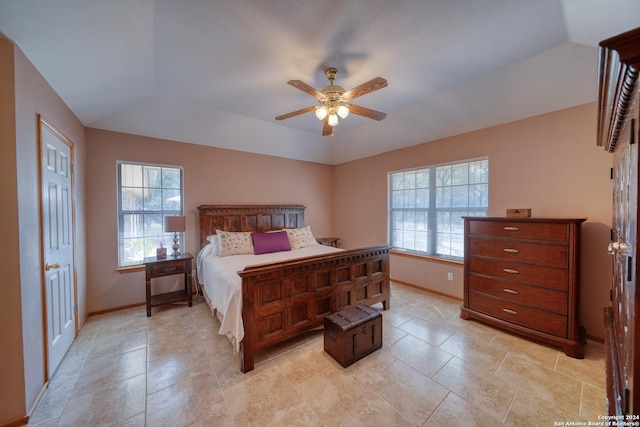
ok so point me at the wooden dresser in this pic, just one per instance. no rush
(522, 275)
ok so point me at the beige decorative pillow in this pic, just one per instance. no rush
(301, 237)
(234, 243)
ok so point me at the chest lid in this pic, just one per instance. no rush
(352, 317)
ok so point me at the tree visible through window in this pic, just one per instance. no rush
(146, 194)
(427, 205)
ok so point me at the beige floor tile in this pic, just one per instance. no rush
(166, 342)
(110, 342)
(593, 402)
(423, 357)
(378, 413)
(536, 352)
(426, 330)
(106, 405)
(475, 350)
(107, 370)
(334, 396)
(174, 369)
(135, 421)
(258, 398)
(186, 402)
(391, 334)
(167, 370)
(403, 388)
(477, 385)
(591, 369)
(455, 411)
(528, 409)
(557, 389)
(303, 363)
(53, 401)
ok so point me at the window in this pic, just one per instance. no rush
(146, 194)
(427, 205)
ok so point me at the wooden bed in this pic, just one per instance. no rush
(284, 299)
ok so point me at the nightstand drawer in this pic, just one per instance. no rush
(533, 296)
(520, 230)
(534, 318)
(167, 268)
(551, 255)
(548, 277)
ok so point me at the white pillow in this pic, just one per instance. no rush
(301, 237)
(214, 245)
(234, 243)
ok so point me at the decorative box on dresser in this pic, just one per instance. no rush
(522, 275)
(618, 133)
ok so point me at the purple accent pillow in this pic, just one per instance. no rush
(264, 243)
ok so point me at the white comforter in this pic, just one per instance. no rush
(223, 287)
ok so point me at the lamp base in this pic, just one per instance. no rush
(176, 246)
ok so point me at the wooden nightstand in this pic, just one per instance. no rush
(329, 241)
(168, 266)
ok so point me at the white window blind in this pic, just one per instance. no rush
(146, 194)
(426, 206)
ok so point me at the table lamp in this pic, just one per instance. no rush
(177, 225)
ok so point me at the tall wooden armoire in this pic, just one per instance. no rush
(618, 123)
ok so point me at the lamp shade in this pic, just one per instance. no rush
(174, 224)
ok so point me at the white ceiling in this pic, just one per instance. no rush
(214, 72)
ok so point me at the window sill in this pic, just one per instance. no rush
(427, 258)
(130, 269)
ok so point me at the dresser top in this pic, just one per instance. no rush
(520, 219)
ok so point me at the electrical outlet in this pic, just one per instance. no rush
(449, 276)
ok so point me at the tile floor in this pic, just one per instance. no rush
(434, 369)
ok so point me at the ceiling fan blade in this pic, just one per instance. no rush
(296, 113)
(366, 112)
(326, 129)
(365, 88)
(306, 88)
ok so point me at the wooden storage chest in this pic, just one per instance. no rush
(353, 333)
(522, 274)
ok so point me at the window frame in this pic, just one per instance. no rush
(165, 238)
(433, 210)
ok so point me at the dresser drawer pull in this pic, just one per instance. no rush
(512, 228)
(511, 291)
(511, 251)
(510, 271)
(507, 310)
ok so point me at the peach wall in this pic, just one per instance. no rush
(549, 163)
(211, 176)
(12, 387)
(29, 94)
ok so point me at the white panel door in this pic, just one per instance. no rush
(57, 219)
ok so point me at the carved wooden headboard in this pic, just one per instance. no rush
(248, 218)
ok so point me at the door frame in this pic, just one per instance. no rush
(43, 122)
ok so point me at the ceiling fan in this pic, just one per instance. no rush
(334, 101)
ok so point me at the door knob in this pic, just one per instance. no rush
(51, 266)
(615, 247)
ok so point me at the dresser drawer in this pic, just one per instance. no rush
(547, 277)
(552, 323)
(551, 255)
(534, 296)
(520, 230)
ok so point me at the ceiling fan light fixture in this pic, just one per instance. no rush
(321, 112)
(343, 111)
(335, 103)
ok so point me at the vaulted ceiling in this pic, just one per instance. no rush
(214, 72)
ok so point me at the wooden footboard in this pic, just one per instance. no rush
(282, 300)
